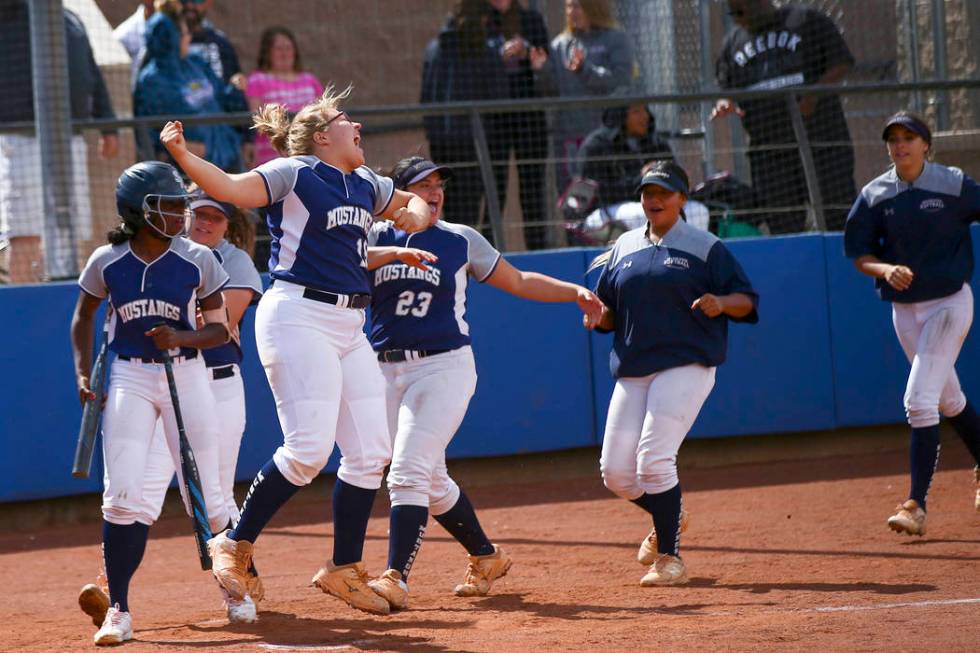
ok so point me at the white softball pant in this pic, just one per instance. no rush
(138, 396)
(427, 400)
(932, 334)
(229, 409)
(327, 386)
(648, 419)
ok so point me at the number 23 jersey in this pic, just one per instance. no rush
(426, 309)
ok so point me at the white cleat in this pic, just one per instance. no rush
(116, 629)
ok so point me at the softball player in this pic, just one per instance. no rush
(322, 371)
(154, 281)
(212, 222)
(670, 290)
(910, 230)
(419, 330)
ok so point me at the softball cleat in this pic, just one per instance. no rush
(647, 555)
(482, 571)
(910, 519)
(666, 570)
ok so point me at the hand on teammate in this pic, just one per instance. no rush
(591, 305)
(410, 221)
(417, 258)
(899, 277)
(165, 337)
(710, 305)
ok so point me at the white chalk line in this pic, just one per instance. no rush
(318, 647)
(847, 608)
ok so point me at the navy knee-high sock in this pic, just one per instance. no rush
(923, 457)
(665, 507)
(407, 526)
(351, 511)
(269, 491)
(122, 548)
(967, 426)
(461, 522)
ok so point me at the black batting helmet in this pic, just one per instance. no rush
(140, 183)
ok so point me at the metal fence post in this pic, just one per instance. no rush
(939, 47)
(52, 120)
(707, 74)
(489, 180)
(806, 154)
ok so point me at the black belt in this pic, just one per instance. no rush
(402, 355)
(150, 359)
(223, 372)
(345, 301)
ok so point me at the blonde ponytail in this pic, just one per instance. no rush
(293, 135)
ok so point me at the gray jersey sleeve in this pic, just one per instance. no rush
(377, 229)
(279, 176)
(384, 188)
(483, 258)
(240, 269)
(91, 280)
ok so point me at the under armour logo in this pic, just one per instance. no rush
(627, 264)
(889, 211)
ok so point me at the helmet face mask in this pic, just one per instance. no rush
(173, 211)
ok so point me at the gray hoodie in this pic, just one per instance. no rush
(608, 66)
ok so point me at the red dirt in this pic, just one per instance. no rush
(783, 556)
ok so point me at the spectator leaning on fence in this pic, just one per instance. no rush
(613, 154)
(460, 65)
(514, 30)
(772, 48)
(172, 83)
(592, 56)
(131, 34)
(279, 79)
(22, 184)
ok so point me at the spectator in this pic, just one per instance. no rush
(460, 64)
(613, 154)
(21, 178)
(208, 42)
(172, 83)
(592, 56)
(131, 34)
(773, 48)
(514, 30)
(279, 79)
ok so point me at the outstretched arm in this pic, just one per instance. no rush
(246, 190)
(417, 258)
(542, 288)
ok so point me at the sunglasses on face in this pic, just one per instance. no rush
(342, 114)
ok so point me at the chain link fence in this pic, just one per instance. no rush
(546, 127)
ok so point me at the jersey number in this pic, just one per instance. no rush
(406, 300)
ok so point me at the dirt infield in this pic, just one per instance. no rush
(783, 556)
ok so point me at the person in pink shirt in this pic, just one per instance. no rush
(279, 79)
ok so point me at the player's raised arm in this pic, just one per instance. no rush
(246, 190)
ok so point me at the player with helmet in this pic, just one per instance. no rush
(227, 231)
(419, 330)
(670, 290)
(153, 281)
(910, 230)
(323, 374)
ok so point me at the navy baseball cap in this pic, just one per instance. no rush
(419, 171)
(665, 179)
(206, 200)
(911, 122)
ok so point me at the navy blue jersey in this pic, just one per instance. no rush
(319, 218)
(243, 276)
(651, 288)
(426, 309)
(144, 295)
(924, 225)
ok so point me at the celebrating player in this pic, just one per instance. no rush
(226, 231)
(323, 374)
(670, 290)
(420, 332)
(910, 230)
(152, 279)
